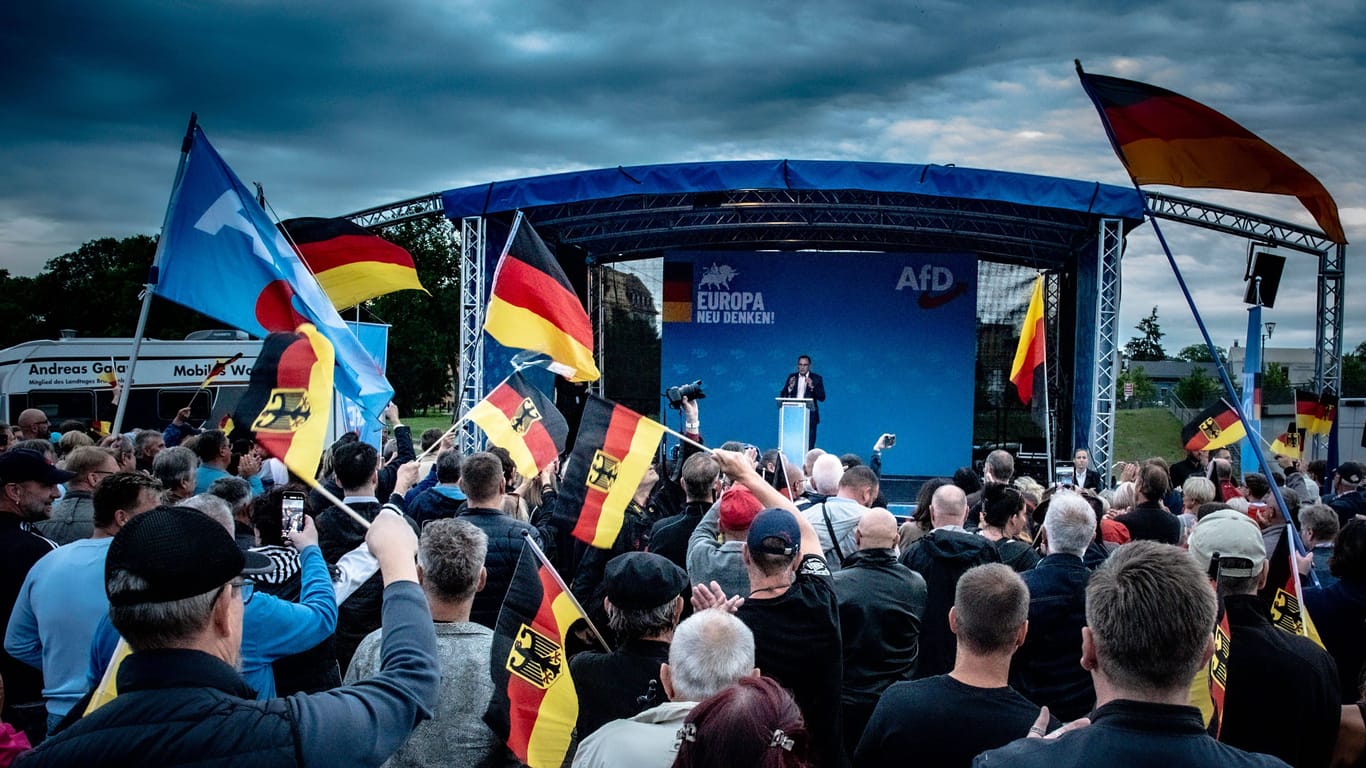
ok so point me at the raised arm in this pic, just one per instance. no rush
(739, 469)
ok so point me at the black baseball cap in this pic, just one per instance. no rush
(643, 580)
(775, 532)
(176, 552)
(22, 465)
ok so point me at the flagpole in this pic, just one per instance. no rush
(686, 439)
(1047, 414)
(1190, 302)
(343, 506)
(147, 287)
(1291, 528)
(545, 561)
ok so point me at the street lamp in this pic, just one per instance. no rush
(1270, 329)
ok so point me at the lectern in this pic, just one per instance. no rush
(794, 427)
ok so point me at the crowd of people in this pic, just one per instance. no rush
(159, 610)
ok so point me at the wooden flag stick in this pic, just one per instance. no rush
(546, 562)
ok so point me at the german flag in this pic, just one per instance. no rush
(1165, 138)
(1215, 427)
(1307, 409)
(109, 377)
(1029, 354)
(519, 418)
(534, 705)
(1218, 668)
(352, 263)
(534, 307)
(613, 451)
(1328, 411)
(289, 398)
(678, 282)
(218, 369)
(1288, 443)
(1283, 593)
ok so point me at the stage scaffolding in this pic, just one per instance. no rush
(1081, 251)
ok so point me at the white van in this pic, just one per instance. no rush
(62, 378)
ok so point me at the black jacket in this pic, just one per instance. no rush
(1047, 668)
(880, 602)
(1282, 697)
(669, 537)
(616, 685)
(942, 557)
(1150, 521)
(1132, 734)
(432, 504)
(505, 547)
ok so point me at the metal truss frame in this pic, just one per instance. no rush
(1331, 256)
(469, 383)
(1110, 253)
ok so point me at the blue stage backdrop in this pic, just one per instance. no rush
(893, 335)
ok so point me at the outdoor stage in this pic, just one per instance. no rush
(843, 256)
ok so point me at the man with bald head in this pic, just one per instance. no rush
(942, 556)
(34, 425)
(880, 603)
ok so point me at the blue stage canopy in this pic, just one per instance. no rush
(1085, 197)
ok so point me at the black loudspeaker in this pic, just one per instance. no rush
(1267, 266)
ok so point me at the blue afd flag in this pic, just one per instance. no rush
(220, 254)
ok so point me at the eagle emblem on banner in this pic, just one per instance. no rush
(525, 416)
(286, 411)
(535, 658)
(1285, 612)
(603, 471)
(1210, 429)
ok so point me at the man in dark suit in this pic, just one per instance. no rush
(805, 384)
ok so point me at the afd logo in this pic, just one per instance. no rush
(935, 284)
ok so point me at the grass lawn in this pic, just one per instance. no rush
(441, 421)
(1144, 432)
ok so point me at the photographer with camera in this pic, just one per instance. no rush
(806, 385)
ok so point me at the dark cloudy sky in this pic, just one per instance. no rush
(340, 106)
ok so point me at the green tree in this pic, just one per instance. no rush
(18, 308)
(424, 338)
(1148, 344)
(1198, 390)
(1145, 392)
(1199, 353)
(1276, 384)
(1354, 375)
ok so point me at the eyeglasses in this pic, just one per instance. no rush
(247, 587)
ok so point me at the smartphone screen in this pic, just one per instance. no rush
(292, 512)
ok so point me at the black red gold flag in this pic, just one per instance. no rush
(289, 398)
(1215, 427)
(352, 264)
(519, 418)
(218, 369)
(534, 706)
(1029, 354)
(614, 449)
(1165, 138)
(534, 307)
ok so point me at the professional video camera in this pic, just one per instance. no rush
(691, 391)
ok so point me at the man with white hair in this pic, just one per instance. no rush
(710, 650)
(1045, 670)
